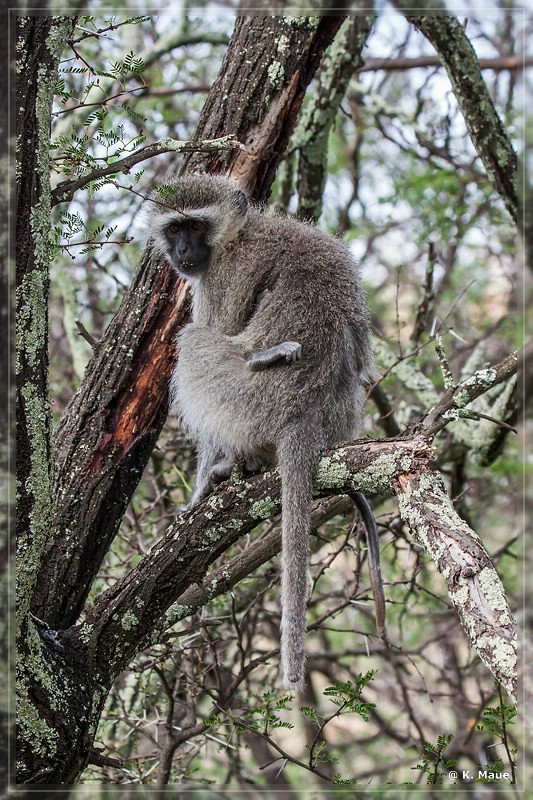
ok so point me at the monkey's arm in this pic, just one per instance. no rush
(286, 351)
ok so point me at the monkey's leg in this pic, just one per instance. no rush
(210, 471)
(286, 351)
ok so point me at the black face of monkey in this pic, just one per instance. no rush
(189, 248)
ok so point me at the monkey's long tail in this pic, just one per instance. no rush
(296, 461)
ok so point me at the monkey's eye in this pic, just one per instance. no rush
(197, 226)
(173, 228)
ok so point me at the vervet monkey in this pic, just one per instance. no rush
(273, 366)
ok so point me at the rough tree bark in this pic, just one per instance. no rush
(472, 582)
(7, 450)
(43, 38)
(140, 608)
(107, 432)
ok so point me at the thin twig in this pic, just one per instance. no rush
(65, 191)
(477, 415)
(84, 333)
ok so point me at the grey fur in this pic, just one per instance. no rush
(271, 282)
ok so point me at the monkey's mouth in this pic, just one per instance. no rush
(188, 267)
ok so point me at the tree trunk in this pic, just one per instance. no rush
(7, 449)
(33, 101)
(312, 135)
(41, 41)
(270, 71)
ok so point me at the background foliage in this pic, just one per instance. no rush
(406, 189)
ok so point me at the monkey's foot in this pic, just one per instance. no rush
(220, 472)
(201, 491)
(286, 351)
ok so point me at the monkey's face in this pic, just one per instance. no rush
(188, 245)
(193, 219)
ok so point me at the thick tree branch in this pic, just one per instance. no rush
(131, 609)
(224, 578)
(312, 134)
(456, 398)
(292, 51)
(473, 584)
(486, 129)
(105, 437)
(168, 584)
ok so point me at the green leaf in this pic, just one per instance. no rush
(309, 711)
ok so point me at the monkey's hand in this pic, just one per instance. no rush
(286, 351)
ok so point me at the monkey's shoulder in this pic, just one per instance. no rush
(277, 237)
(280, 225)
